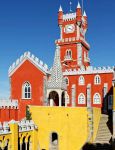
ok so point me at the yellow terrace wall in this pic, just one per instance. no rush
(96, 120)
(69, 123)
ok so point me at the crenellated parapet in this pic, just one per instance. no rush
(73, 40)
(28, 56)
(88, 70)
(26, 125)
(6, 104)
(15, 133)
(69, 16)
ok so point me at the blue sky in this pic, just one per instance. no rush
(32, 25)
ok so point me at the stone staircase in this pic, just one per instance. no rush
(103, 133)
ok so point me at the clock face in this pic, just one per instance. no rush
(69, 28)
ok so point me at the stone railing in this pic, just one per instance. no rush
(31, 57)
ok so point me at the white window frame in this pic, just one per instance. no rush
(81, 80)
(97, 79)
(28, 92)
(95, 97)
(81, 99)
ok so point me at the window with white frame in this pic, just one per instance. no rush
(26, 90)
(68, 55)
(81, 98)
(81, 80)
(96, 98)
(97, 79)
(67, 80)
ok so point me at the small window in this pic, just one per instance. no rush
(97, 79)
(68, 55)
(67, 80)
(81, 98)
(26, 90)
(97, 98)
(81, 80)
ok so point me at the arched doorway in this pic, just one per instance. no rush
(54, 97)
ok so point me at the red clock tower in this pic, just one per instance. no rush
(74, 49)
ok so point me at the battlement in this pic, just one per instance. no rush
(69, 16)
(72, 39)
(9, 103)
(27, 55)
(24, 125)
(89, 70)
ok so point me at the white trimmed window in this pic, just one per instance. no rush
(81, 80)
(26, 90)
(97, 79)
(68, 55)
(96, 98)
(67, 80)
(81, 98)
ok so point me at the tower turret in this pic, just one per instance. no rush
(79, 14)
(60, 16)
(85, 19)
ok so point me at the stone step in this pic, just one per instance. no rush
(103, 133)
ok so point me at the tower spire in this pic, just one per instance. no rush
(84, 14)
(78, 6)
(60, 9)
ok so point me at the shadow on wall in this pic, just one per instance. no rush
(97, 146)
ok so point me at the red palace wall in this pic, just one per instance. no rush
(89, 79)
(27, 72)
(8, 113)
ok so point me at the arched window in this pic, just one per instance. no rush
(26, 90)
(81, 98)
(81, 80)
(67, 80)
(97, 79)
(68, 54)
(97, 98)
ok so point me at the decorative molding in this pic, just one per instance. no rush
(28, 56)
(88, 70)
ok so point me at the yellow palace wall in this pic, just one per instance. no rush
(69, 123)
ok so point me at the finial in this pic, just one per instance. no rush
(60, 8)
(84, 14)
(78, 6)
(70, 6)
